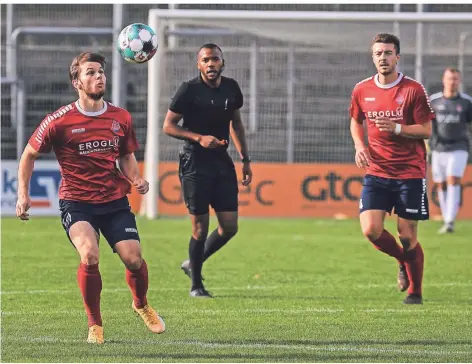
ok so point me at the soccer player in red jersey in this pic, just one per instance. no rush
(94, 143)
(398, 117)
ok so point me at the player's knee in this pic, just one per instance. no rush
(454, 181)
(200, 227)
(372, 231)
(133, 262)
(441, 186)
(199, 233)
(408, 241)
(228, 231)
(89, 255)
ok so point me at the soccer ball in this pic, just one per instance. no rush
(137, 43)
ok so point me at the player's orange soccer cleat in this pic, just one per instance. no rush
(151, 318)
(95, 335)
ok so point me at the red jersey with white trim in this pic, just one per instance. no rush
(87, 145)
(404, 101)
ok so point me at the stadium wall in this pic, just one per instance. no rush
(278, 190)
(293, 190)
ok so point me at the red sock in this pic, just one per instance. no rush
(138, 284)
(387, 244)
(414, 267)
(90, 284)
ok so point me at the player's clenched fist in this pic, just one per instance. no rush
(22, 206)
(208, 141)
(247, 174)
(385, 124)
(142, 186)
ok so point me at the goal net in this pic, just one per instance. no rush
(296, 71)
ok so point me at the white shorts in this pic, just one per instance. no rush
(446, 164)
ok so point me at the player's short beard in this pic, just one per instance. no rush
(388, 72)
(218, 74)
(95, 96)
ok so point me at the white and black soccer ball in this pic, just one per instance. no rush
(137, 43)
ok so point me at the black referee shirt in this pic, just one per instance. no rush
(206, 110)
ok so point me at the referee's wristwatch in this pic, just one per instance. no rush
(246, 160)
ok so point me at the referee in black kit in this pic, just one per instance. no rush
(209, 105)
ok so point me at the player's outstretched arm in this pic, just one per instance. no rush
(362, 157)
(129, 168)
(239, 138)
(25, 170)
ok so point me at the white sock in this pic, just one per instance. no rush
(442, 202)
(452, 203)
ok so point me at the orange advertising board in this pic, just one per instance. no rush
(296, 190)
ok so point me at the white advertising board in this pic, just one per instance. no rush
(43, 188)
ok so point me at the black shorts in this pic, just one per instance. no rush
(114, 219)
(208, 180)
(408, 197)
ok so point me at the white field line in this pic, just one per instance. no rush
(237, 312)
(117, 290)
(253, 346)
(178, 235)
(440, 284)
(242, 288)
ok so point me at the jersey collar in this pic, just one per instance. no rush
(200, 79)
(91, 113)
(389, 85)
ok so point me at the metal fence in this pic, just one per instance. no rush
(43, 60)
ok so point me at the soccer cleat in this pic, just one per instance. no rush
(447, 228)
(151, 318)
(95, 335)
(187, 270)
(201, 293)
(402, 279)
(413, 299)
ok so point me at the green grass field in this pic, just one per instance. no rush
(285, 291)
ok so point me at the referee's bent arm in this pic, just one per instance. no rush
(172, 128)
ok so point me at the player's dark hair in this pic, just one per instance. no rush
(452, 70)
(82, 58)
(210, 46)
(387, 39)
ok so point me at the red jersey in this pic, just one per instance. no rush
(404, 101)
(87, 145)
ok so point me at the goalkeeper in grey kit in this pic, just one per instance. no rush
(450, 143)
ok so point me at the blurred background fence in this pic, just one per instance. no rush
(318, 75)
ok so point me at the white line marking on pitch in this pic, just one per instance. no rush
(321, 310)
(113, 290)
(263, 346)
(242, 288)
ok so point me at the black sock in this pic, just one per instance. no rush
(195, 252)
(213, 243)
